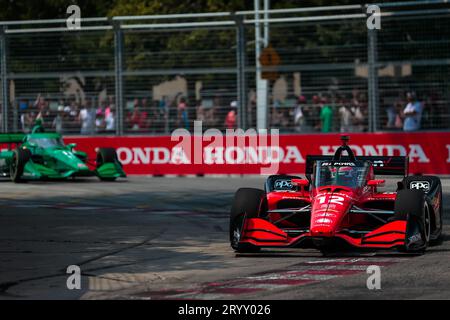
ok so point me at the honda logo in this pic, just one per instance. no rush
(420, 185)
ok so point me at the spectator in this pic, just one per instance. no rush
(99, 121)
(412, 114)
(277, 114)
(364, 108)
(40, 118)
(39, 102)
(72, 116)
(137, 120)
(42, 106)
(314, 115)
(149, 112)
(23, 104)
(58, 122)
(350, 116)
(394, 121)
(134, 118)
(230, 119)
(200, 111)
(26, 121)
(391, 114)
(210, 113)
(299, 116)
(182, 114)
(109, 118)
(326, 116)
(87, 119)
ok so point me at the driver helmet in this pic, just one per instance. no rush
(344, 174)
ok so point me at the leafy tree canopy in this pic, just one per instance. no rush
(52, 9)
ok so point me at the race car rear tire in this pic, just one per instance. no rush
(410, 183)
(438, 238)
(19, 160)
(106, 155)
(411, 206)
(247, 203)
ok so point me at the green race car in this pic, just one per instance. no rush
(43, 155)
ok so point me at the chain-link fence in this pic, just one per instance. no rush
(326, 71)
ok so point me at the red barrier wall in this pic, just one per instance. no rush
(428, 152)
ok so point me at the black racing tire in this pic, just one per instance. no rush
(439, 238)
(436, 234)
(435, 186)
(411, 206)
(247, 203)
(434, 181)
(18, 162)
(106, 155)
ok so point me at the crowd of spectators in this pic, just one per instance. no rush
(321, 113)
(341, 113)
(407, 117)
(68, 115)
(303, 114)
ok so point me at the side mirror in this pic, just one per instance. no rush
(300, 182)
(376, 183)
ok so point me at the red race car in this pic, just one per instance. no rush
(338, 207)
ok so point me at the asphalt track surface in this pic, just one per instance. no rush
(167, 238)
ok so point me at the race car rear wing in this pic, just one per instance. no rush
(8, 138)
(382, 165)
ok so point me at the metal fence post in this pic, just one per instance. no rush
(241, 81)
(4, 79)
(118, 72)
(262, 85)
(372, 58)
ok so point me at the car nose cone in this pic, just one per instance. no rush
(322, 231)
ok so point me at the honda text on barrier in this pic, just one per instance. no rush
(338, 207)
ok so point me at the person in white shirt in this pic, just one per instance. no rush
(299, 117)
(87, 119)
(351, 118)
(412, 113)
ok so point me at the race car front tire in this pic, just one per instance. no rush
(411, 206)
(247, 203)
(19, 160)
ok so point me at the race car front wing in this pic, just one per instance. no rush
(262, 233)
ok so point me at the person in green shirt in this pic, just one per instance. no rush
(326, 117)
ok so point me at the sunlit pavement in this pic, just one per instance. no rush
(167, 238)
